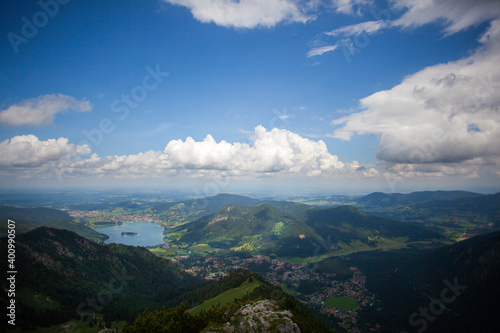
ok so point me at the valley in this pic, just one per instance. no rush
(335, 261)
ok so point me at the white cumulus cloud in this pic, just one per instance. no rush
(444, 114)
(27, 151)
(246, 13)
(274, 152)
(41, 110)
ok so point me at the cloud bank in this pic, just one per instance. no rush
(27, 151)
(41, 110)
(272, 153)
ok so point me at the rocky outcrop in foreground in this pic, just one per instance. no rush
(260, 316)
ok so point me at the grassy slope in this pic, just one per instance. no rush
(228, 296)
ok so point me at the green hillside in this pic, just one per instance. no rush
(467, 270)
(261, 229)
(227, 296)
(329, 231)
(31, 218)
(485, 205)
(70, 269)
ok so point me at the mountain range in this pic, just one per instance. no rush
(467, 213)
(393, 199)
(192, 209)
(264, 229)
(455, 214)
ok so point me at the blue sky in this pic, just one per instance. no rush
(336, 95)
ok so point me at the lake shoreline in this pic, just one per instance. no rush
(145, 234)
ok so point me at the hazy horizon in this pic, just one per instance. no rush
(200, 192)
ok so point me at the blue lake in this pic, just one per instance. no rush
(148, 234)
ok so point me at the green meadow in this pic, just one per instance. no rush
(342, 303)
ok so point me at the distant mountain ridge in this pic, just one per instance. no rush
(484, 204)
(457, 214)
(192, 209)
(31, 218)
(211, 204)
(390, 199)
(264, 229)
(39, 214)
